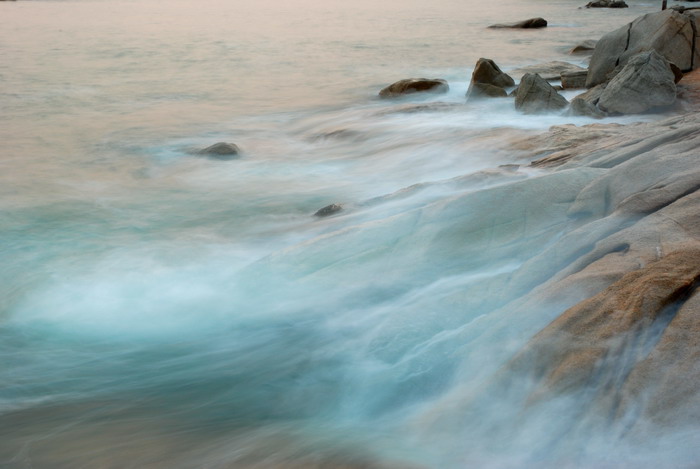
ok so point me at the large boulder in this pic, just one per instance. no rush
(670, 33)
(525, 24)
(645, 82)
(414, 85)
(535, 96)
(488, 80)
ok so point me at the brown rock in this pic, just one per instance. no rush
(525, 24)
(414, 85)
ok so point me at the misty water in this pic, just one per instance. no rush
(161, 309)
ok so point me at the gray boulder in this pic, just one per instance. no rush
(414, 85)
(536, 96)
(668, 32)
(222, 151)
(488, 80)
(645, 82)
(525, 24)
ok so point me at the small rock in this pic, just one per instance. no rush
(222, 151)
(329, 210)
(606, 4)
(585, 46)
(414, 85)
(536, 96)
(525, 24)
(488, 80)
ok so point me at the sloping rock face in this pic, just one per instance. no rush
(488, 80)
(645, 82)
(525, 24)
(616, 370)
(535, 96)
(670, 33)
(414, 85)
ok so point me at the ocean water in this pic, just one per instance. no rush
(161, 309)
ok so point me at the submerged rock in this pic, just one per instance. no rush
(670, 33)
(222, 151)
(488, 80)
(645, 82)
(536, 96)
(525, 24)
(329, 210)
(414, 85)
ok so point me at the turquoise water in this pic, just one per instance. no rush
(160, 309)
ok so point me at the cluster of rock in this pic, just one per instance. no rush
(633, 70)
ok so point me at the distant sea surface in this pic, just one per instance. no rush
(162, 309)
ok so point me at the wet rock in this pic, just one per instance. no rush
(584, 47)
(536, 96)
(607, 4)
(525, 24)
(414, 85)
(329, 210)
(586, 104)
(222, 151)
(488, 80)
(549, 70)
(645, 82)
(668, 32)
(677, 72)
(573, 80)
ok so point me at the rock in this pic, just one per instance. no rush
(480, 90)
(329, 210)
(548, 70)
(584, 47)
(536, 96)
(525, 24)
(414, 85)
(606, 4)
(488, 80)
(586, 104)
(645, 82)
(221, 151)
(668, 32)
(677, 72)
(573, 80)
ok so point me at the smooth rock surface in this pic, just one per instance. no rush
(645, 82)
